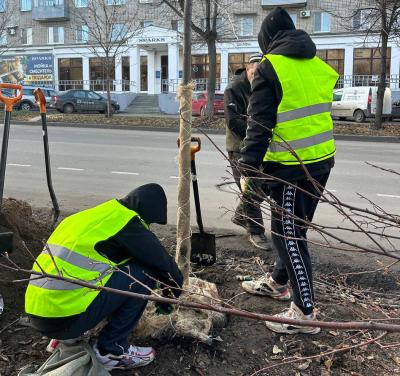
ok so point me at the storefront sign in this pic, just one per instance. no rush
(28, 69)
(153, 40)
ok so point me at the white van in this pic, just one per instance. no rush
(359, 102)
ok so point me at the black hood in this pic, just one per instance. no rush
(278, 35)
(149, 201)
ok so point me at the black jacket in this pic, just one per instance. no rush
(265, 99)
(236, 101)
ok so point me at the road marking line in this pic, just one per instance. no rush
(383, 195)
(124, 173)
(174, 177)
(19, 165)
(70, 169)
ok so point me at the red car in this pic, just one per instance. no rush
(199, 104)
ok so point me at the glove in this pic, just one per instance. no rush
(247, 185)
(164, 308)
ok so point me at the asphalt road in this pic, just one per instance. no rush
(93, 165)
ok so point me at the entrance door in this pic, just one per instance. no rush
(143, 74)
(164, 73)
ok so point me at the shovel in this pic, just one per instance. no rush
(6, 236)
(203, 244)
(41, 101)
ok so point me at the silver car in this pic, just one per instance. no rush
(28, 99)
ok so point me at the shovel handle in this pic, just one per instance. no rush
(10, 101)
(40, 100)
(193, 148)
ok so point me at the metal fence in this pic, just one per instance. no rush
(367, 80)
(200, 84)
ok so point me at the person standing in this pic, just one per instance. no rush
(236, 99)
(292, 94)
(109, 245)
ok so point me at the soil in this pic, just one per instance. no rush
(243, 346)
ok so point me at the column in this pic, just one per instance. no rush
(348, 66)
(85, 72)
(224, 69)
(134, 69)
(55, 72)
(151, 72)
(395, 67)
(118, 74)
(173, 67)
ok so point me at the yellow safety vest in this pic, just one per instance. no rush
(303, 119)
(72, 247)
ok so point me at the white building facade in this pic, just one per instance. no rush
(42, 49)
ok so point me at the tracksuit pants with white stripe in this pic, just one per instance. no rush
(289, 236)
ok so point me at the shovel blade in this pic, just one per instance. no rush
(203, 249)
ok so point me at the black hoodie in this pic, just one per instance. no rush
(136, 242)
(278, 36)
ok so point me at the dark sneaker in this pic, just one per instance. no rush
(134, 357)
(259, 241)
(295, 313)
(266, 286)
(240, 221)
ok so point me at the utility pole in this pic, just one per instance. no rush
(183, 248)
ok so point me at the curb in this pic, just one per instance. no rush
(340, 137)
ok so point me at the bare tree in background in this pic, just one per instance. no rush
(210, 23)
(109, 25)
(8, 21)
(379, 20)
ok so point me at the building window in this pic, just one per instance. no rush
(3, 39)
(200, 66)
(293, 16)
(55, 35)
(245, 25)
(126, 74)
(81, 3)
(367, 61)
(3, 5)
(26, 36)
(146, 1)
(335, 58)
(362, 19)
(322, 22)
(147, 23)
(178, 25)
(26, 5)
(47, 3)
(238, 61)
(70, 74)
(82, 34)
(97, 70)
(116, 2)
(119, 32)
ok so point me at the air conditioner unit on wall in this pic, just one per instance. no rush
(305, 14)
(12, 30)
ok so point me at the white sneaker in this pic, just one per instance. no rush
(133, 358)
(295, 313)
(266, 286)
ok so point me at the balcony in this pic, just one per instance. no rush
(50, 10)
(283, 3)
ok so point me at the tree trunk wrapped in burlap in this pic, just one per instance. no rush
(185, 322)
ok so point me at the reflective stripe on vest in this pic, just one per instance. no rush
(304, 127)
(71, 251)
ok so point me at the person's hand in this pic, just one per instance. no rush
(246, 185)
(164, 308)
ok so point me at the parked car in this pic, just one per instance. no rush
(395, 103)
(28, 101)
(199, 103)
(359, 103)
(81, 101)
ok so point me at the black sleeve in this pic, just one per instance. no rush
(135, 241)
(265, 98)
(234, 110)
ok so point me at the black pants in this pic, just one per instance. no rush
(248, 210)
(123, 313)
(294, 262)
